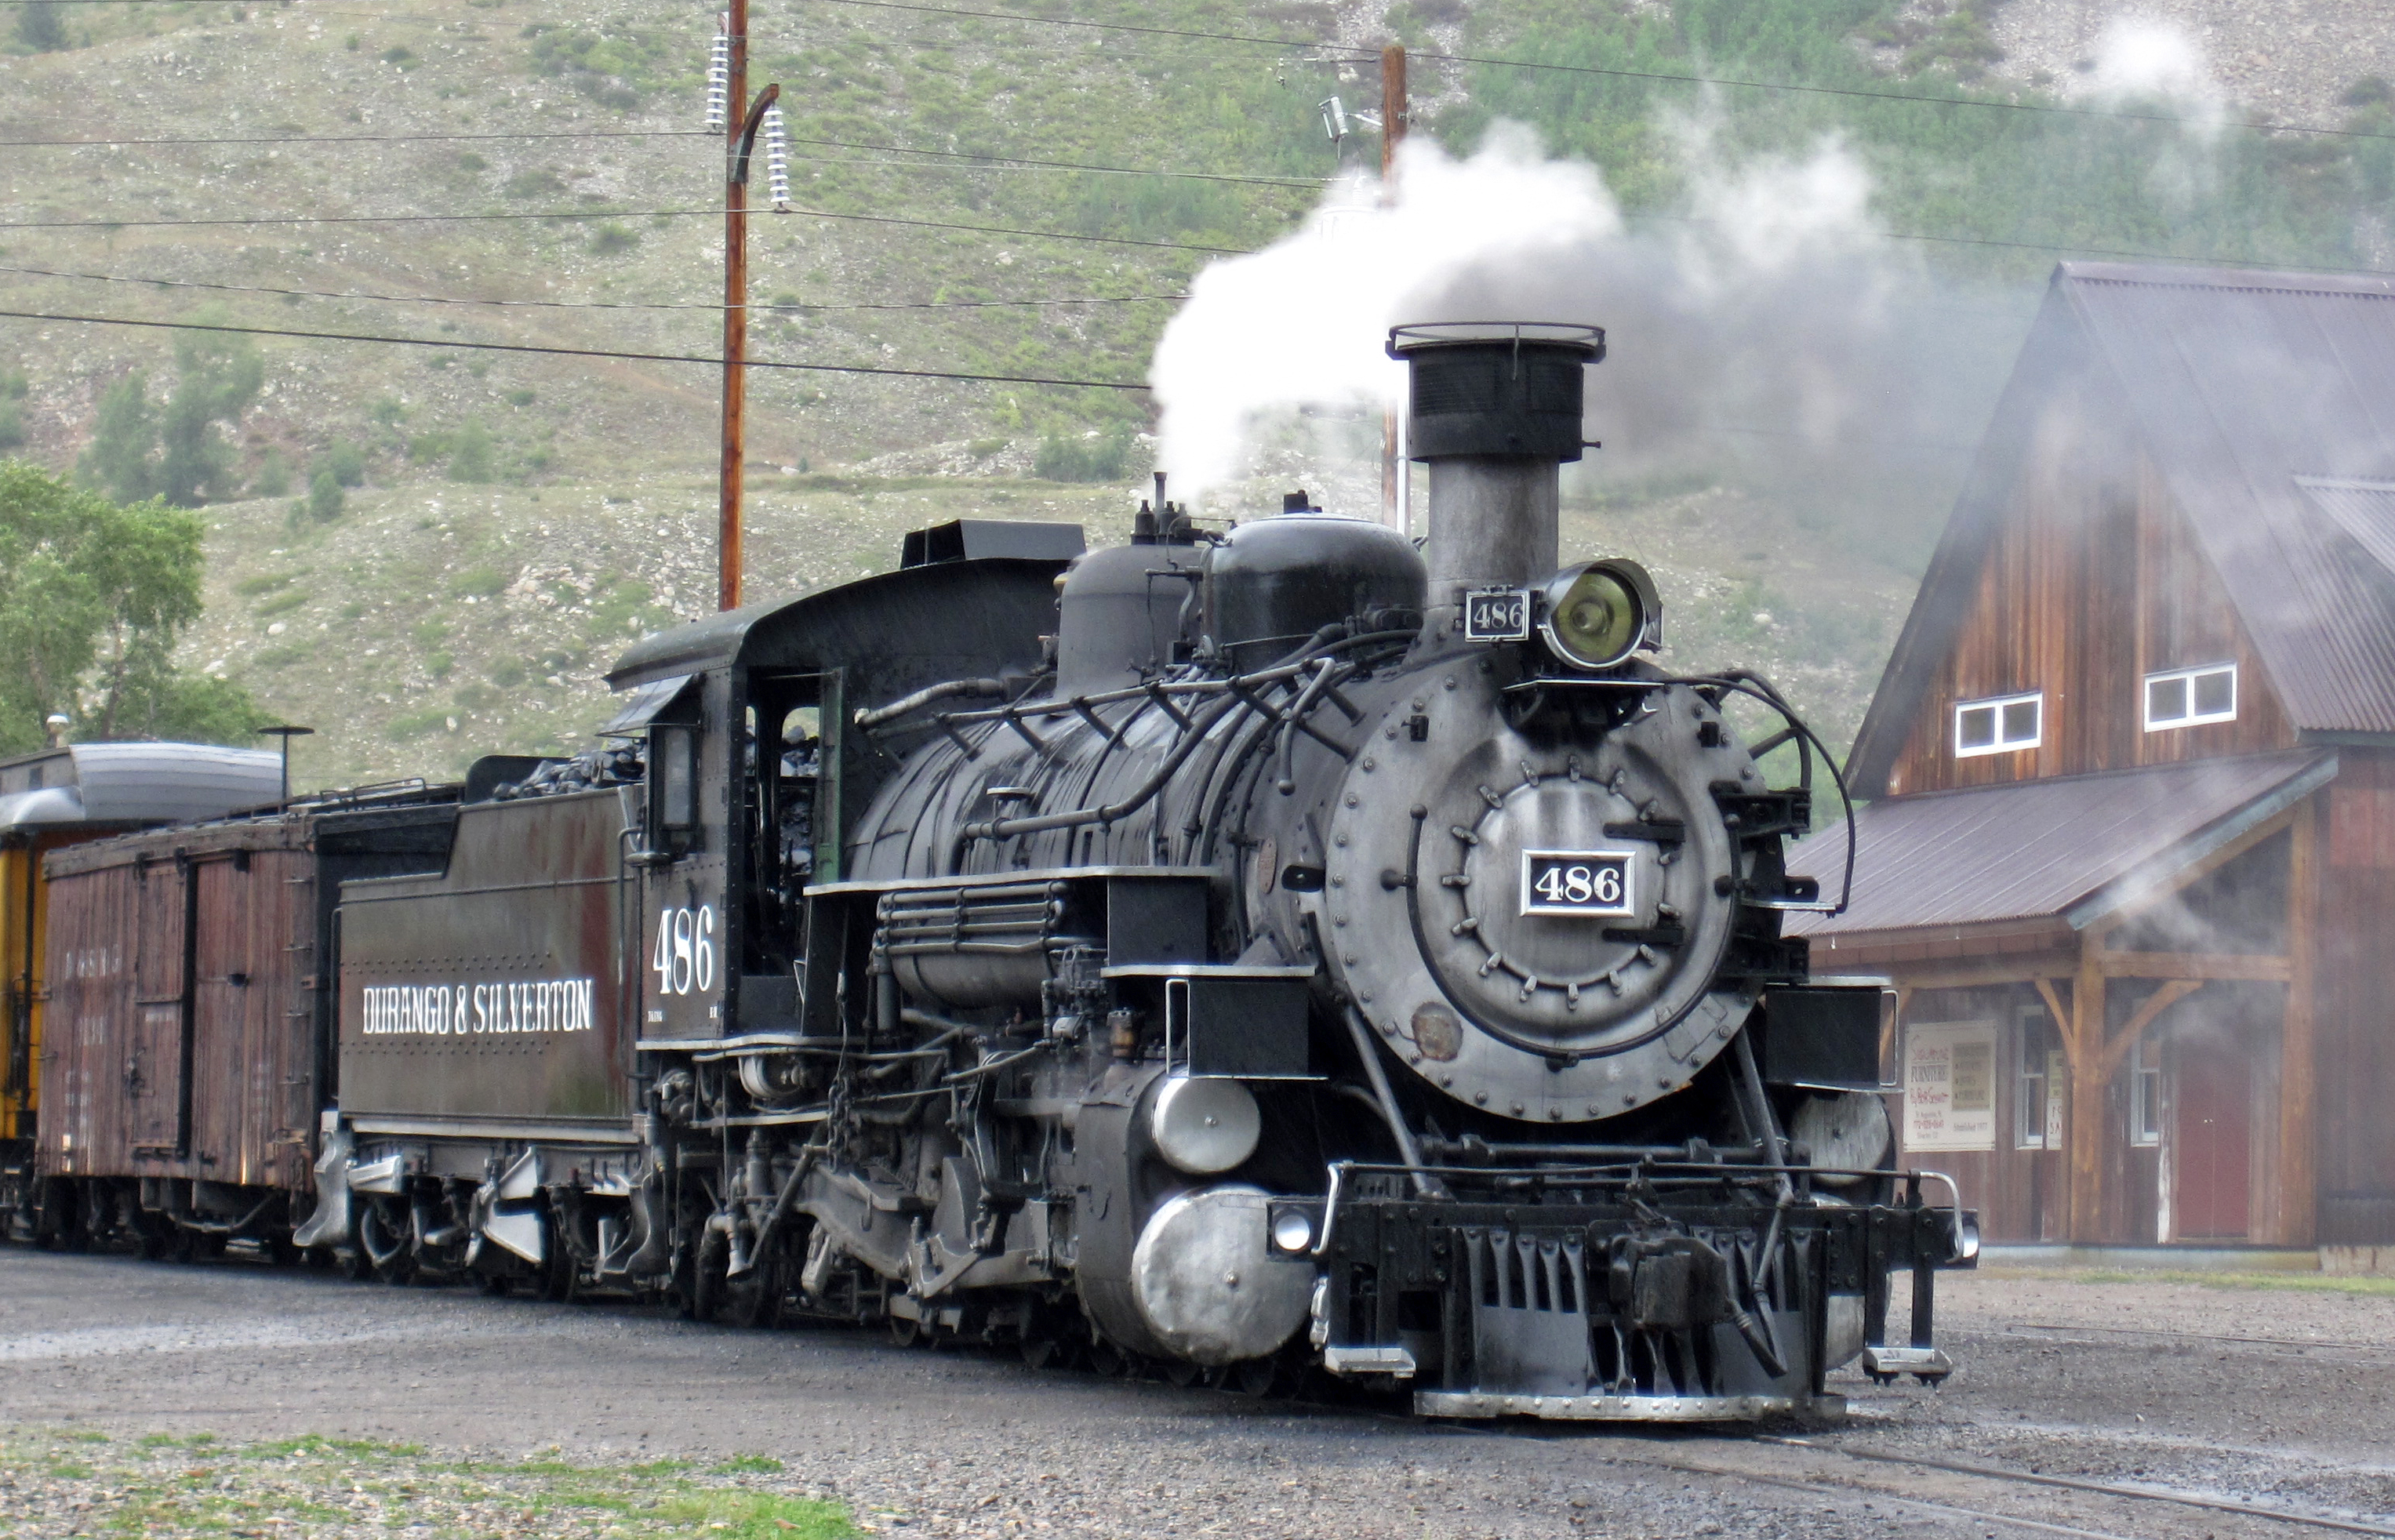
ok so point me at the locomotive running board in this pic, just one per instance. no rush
(1475, 1403)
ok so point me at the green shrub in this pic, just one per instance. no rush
(326, 498)
(477, 583)
(274, 477)
(347, 462)
(508, 673)
(1102, 458)
(280, 604)
(470, 458)
(525, 186)
(613, 239)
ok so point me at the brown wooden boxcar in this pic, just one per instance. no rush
(190, 973)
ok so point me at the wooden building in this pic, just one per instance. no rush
(2129, 847)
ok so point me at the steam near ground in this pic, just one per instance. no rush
(1771, 336)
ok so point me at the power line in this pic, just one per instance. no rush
(992, 162)
(612, 214)
(1334, 50)
(580, 304)
(1107, 26)
(1638, 74)
(452, 345)
(376, 139)
(2054, 108)
(1311, 183)
(2055, 248)
(2197, 258)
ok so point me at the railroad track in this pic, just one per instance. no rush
(2111, 1336)
(1854, 1486)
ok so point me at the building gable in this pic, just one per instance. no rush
(2151, 488)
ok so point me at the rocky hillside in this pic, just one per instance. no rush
(512, 518)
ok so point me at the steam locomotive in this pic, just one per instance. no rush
(1239, 955)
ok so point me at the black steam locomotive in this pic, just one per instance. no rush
(1233, 952)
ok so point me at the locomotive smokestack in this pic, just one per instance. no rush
(1494, 409)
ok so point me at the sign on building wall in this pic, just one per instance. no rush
(1950, 1085)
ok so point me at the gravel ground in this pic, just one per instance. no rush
(520, 1418)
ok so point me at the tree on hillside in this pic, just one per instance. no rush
(93, 597)
(41, 29)
(174, 449)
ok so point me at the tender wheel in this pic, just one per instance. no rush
(385, 1241)
(560, 1278)
(904, 1332)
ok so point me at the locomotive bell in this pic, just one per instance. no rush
(1493, 408)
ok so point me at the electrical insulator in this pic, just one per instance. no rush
(777, 158)
(718, 83)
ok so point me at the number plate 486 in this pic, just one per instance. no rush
(1594, 882)
(683, 959)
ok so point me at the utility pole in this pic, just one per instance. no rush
(1394, 510)
(740, 126)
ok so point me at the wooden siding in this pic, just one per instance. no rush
(184, 960)
(2092, 581)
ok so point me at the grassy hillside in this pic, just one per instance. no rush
(514, 518)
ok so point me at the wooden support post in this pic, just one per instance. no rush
(734, 448)
(2298, 1099)
(2083, 1044)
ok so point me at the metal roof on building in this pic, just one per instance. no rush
(2266, 403)
(2076, 848)
(130, 784)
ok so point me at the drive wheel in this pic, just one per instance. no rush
(1255, 1378)
(705, 1297)
(755, 1300)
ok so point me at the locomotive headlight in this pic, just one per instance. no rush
(1292, 1230)
(1597, 614)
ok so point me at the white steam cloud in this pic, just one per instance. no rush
(1770, 327)
(1300, 323)
(2139, 60)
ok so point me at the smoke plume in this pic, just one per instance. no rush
(1769, 333)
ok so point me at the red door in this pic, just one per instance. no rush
(2213, 1140)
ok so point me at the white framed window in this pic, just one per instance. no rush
(2185, 697)
(2028, 1081)
(2146, 1092)
(1999, 724)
